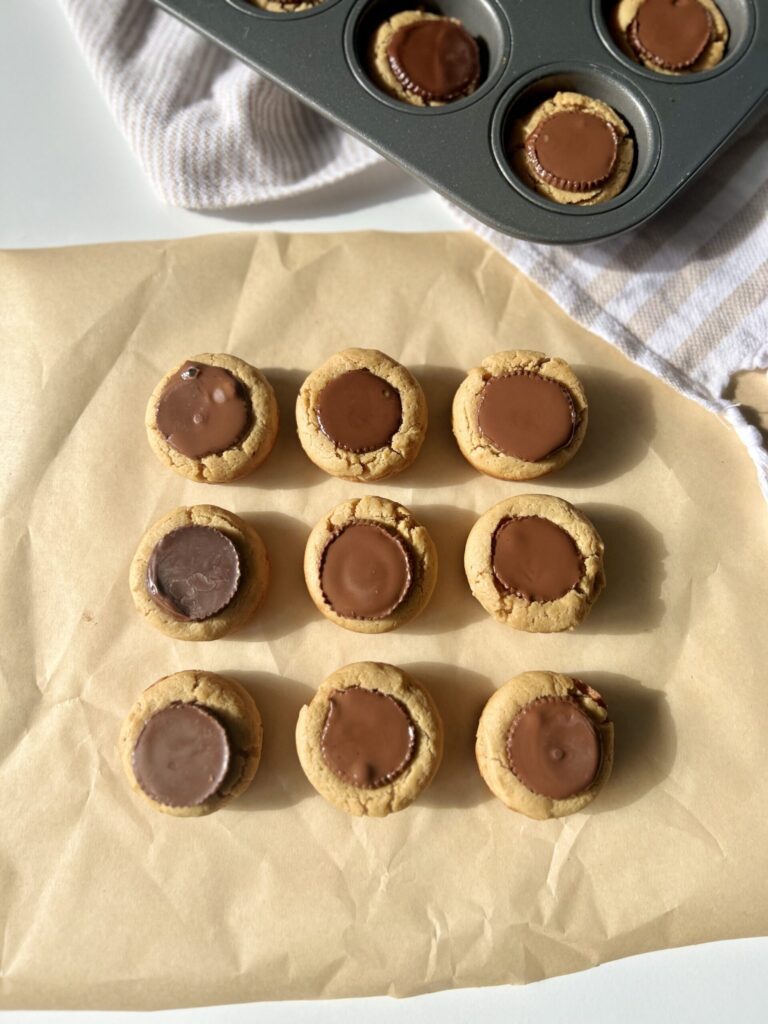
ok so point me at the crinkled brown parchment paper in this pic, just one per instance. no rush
(106, 904)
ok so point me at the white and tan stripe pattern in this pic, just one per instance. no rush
(686, 296)
(209, 132)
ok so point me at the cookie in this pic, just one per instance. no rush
(199, 573)
(573, 149)
(213, 418)
(534, 562)
(370, 740)
(191, 743)
(361, 416)
(545, 744)
(369, 566)
(519, 415)
(671, 37)
(424, 59)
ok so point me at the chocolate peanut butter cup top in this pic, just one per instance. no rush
(181, 756)
(434, 58)
(359, 412)
(672, 34)
(368, 739)
(203, 410)
(573, 150)
(526, 415)
(193, 572)
(553, 748)
(535, 558)
(365, 571)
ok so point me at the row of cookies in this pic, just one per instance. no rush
(370, 741)
(362, 416)
(534, 562)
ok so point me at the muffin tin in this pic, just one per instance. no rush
(530, 49)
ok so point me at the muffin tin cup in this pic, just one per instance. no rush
(483, 19)
(679, 123)
(612, 88)
(740, 15)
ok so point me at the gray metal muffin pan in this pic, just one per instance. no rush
(529, 49)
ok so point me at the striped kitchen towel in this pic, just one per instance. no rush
(685, 296)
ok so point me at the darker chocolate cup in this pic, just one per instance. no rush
(182, 755)
(436, 59)
(193, 573)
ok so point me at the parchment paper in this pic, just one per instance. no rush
(107, 904)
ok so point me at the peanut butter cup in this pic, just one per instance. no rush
(519, 415)
(193, 573)
(366, 571)
(369, 566)
(359, 411)
(213, 418)
(553, 747)
(437, 59)
(535, 562)
(203, 410)
(545, 744)
(368, 739)
(573, 150)
(535, 559)
(526, 415)
(198, 573)
(361, 415)
(181, 756)
(673, 34)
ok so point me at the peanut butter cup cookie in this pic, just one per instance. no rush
(191, 743)
(573, 149)
(361, 416)
(424, 59)
(534, 562)
(672, 37)
(369, 566)
(199, 573)
(370, 740)
(214, 418)
(519, 415)
(545, 744)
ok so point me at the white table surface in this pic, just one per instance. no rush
(67, 177)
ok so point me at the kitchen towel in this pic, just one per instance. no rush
(686, 296)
